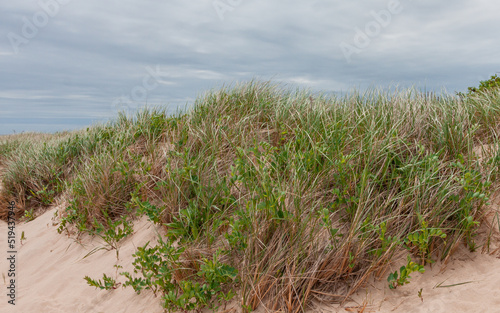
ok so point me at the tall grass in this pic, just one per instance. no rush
(305, 196)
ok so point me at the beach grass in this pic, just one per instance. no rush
(282, 197)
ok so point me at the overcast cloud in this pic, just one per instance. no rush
(67, 63)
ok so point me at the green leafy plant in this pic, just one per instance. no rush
(155, 266)
(216, 275)
(158, 265)
(476, 190)
(29, 215)
(192, 294)
(73, 216)
(45, 195)
(403, 277)
(422, 239)
(492, 83)
(107, 282)
(239, 225)
(387, 242)
(151, 211)
(23, 237)
(114, 231)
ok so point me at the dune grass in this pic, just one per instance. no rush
(278, 196)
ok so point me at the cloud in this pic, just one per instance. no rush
(91, 53)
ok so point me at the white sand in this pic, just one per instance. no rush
(51, 267)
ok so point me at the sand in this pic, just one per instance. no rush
(50, 269)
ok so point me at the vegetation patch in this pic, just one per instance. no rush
(280, 197)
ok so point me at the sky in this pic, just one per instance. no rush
(66, 64)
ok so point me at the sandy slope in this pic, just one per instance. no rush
(51, 267)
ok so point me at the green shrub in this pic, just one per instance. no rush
(486, 85)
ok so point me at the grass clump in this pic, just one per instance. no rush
(288, 197)
(34, 170)
(99, 192)
(37, 171)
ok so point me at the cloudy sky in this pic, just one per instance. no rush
(68, 63)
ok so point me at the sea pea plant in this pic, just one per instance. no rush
(162, 270)
(403, 277)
